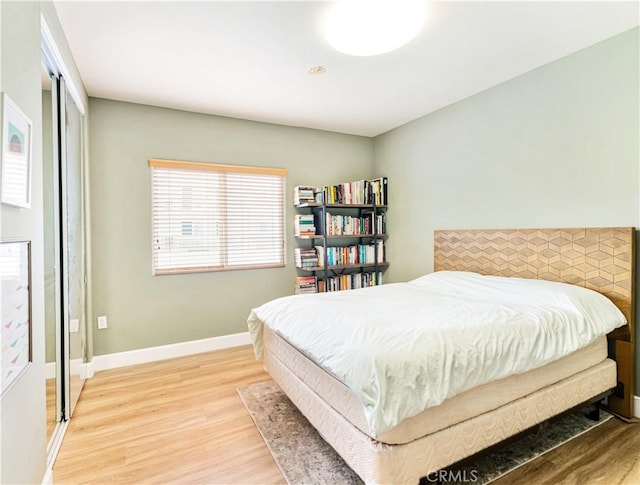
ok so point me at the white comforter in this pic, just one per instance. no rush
(404, 347)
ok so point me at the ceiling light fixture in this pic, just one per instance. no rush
(372, 27)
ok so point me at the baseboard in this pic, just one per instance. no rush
(76, 366)
(52, 450)
(86, 371)
(49, 370)
(152, 354)
(636, 407)
(48, 477)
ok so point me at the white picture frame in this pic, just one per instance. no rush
(15, 312)
(17, 131)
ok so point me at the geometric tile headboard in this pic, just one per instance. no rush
(602, 259)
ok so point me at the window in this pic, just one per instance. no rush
(210, 217)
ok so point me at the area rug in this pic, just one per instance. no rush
(305, 458)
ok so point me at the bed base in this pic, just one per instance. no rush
(594, 415)
(377, 462)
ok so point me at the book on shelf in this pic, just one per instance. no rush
(303, 225)
(347, 225)
(381, 223)
(349, 281)
(378, 191)
(375, 221)
(319, 250)
(349, 255)
(306, 284)
(359, 192)
(380, 251)
(305, 257)
(304, 194)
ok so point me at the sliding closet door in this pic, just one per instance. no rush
(73, 250)
(51, 197)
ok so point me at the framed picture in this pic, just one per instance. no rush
(16, 155)
(15, 294)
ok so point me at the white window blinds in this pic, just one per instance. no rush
(210, 217)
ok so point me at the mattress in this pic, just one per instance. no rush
(377, 462)
(405, 347)
(461, 407)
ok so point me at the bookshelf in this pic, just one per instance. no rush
(340, 232)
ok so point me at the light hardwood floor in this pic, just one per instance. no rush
(175, 421)
(51, 406)
(181, 421)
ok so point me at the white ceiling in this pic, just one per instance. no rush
(251, 59)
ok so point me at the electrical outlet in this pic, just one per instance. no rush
(102, 322)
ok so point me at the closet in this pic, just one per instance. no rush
(65, 247)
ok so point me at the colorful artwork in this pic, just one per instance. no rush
(15, 304)
(16, 140)
(16, 155)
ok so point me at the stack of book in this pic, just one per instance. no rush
(346, 193)
(306, 284)
(380, 223)
(380, 251)
(304, 194)
(356, 254)
(358, 192)
(303, 225)
(306, 257)
(350, 282)
(346, 225)
(378, 191)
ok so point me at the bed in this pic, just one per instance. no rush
(385, 446)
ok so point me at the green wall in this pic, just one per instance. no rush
(556, 147)
(23, 437)
(145, 310)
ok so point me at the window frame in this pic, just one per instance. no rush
(224, 250)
